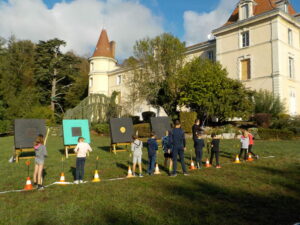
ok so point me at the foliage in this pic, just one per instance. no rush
(206, 89)
(266, 102)
(143, 129)
(5, 126)
(287, 122)
(263, 119)
(41, 112)
(147, 116)
(157, 64)
(187, 120)
(113, 110)
(101, 128)
(272, 134)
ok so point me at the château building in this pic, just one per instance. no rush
(258, 45)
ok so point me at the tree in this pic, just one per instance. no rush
(206, 89)
(53, 72)
(17, 86)
(266, 102)
(157, 67)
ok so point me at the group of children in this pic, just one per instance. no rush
(81, 151)
(173, 144)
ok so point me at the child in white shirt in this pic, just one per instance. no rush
(81, 150)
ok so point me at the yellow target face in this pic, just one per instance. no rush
(123, 130)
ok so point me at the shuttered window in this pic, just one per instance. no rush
(245, 69)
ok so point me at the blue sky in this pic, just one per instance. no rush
(79, 22)
(172, 10)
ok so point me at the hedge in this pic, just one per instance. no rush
(147, 115)
(267, 134)
(143, 129)
(187, 120)
(101, 128)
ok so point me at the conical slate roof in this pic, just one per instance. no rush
(104, 47)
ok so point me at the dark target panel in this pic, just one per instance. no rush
(121, 130)
(26, 131)
(160, 125)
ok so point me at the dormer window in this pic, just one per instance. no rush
(245, 9)
(283, 5)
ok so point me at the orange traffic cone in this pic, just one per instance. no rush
(28, 185)
(192, 167)
(62, 177)
(250, 159)
(237, 159)
(96, 177)
(207, 164)
(156, 169)
(129, 174)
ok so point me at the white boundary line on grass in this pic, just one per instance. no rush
(112, 179)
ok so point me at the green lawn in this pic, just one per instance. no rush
(266, 191)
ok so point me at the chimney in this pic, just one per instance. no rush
(113, 48)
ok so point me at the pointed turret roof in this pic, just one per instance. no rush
(260, 6)
(103, 47)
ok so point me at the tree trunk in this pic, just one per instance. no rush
(53, 91)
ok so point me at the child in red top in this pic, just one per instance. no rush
(251, 143)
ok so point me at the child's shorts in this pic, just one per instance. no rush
(137, 159)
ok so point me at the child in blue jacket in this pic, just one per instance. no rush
(152, 148)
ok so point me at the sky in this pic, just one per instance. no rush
(79, 22)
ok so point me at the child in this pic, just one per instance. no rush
(40, 154)
(136, 148)
(244, 144)
(251, 143)
(152, 148)
(215, 149)
(81, 150)
(199, 145)
(167, 150)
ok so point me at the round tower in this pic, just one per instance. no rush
(101, 63)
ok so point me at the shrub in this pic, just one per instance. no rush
(42, 112)
(101, 128)
(5, 126)
(135, 119)
(147, 115)
(143, 129)
(267, 134)
(263, 119)
(187, 120)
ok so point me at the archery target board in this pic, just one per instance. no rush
(26, 131)
(121, 130)
(73, 129)
(160, 125)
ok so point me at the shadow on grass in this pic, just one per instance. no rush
(73, 171)
(104, 148)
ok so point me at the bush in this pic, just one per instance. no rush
(267, 134)
(143, 129)
(101, 128)
(147, 115)
(42, 112)
(5, 126)
(287, 123)
(135, 119)
(187, 120)
(263, 119)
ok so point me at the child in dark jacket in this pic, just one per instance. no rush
(215, 149)
(152, 148)
(199, 145)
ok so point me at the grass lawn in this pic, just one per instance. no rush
(266, 191)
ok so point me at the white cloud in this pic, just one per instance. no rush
(79, 22)
(198, 26)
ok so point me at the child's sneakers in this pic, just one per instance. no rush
(40, 187)
(257, 156)
(76, 182)
(141, 175)
(218, 167)
(81, 181)
(133, 174)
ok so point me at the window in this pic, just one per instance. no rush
(245, 69)
(245, 11)
(245, 39)
(285, 7)
(119, 79)
(91, 82)
(291, 68)
(290, 36)
(92, 67)
(293, 102)
(210, 55)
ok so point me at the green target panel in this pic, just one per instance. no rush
(73, 129)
